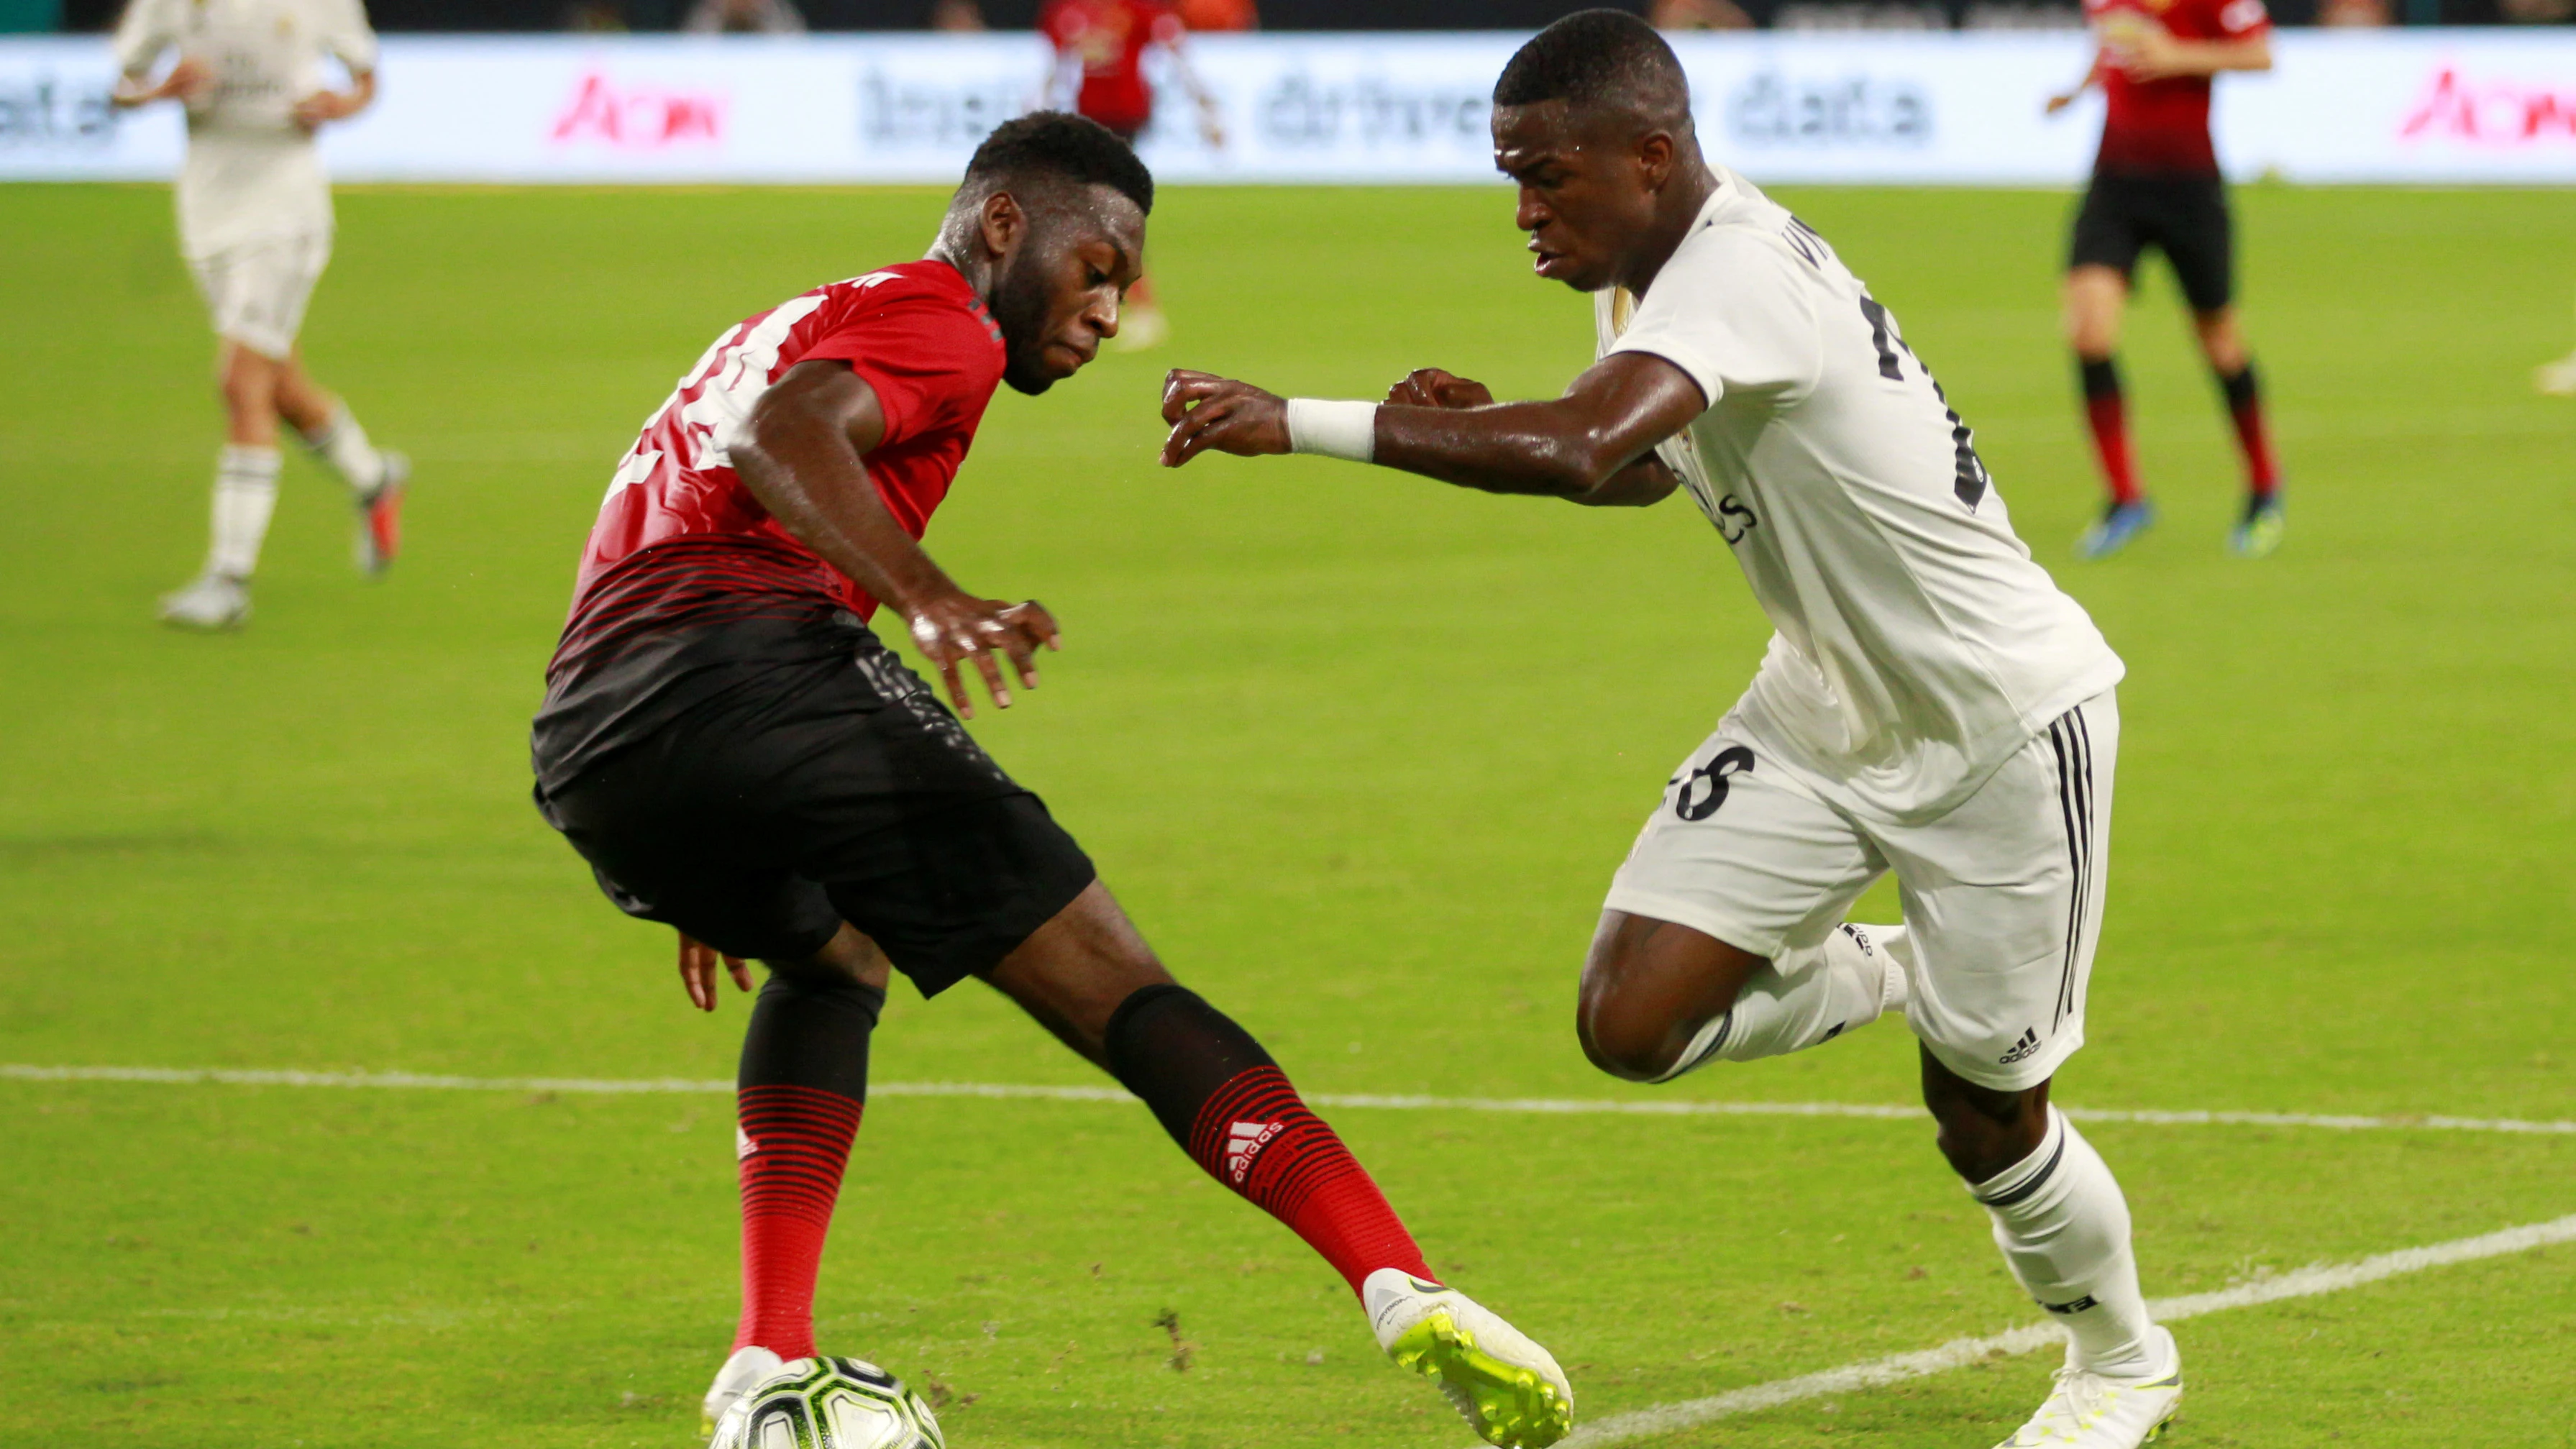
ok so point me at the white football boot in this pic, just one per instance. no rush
(1507, 1388)
(2091, 1411)
(747, 1367)
(211, 601)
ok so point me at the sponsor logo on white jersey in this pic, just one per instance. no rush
(1243, 1143)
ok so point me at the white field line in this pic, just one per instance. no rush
(1959, 1353)
(1534, 1106)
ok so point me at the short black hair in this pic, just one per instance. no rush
(1063, 146)
(1596, 58)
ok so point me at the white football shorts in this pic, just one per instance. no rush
(257, 291)
(2002, 896)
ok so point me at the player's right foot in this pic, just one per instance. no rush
(213, 601)
(2118, 527)
(2092, 1411)
(1507, 1388)
(2260, 532)
(747, 1367)
(380, 516)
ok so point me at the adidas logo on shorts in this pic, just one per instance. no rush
(2027, 1046)
(1243, 1142)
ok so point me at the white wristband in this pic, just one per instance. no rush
(1334, 429)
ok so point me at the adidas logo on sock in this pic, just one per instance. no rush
(1859, 938)
(743, 1146)
(2027, 1046)
(1243, 1142)
(2078, 1306)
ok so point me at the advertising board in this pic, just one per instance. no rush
(2417, 106)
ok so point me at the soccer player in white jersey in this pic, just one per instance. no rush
(1931, 703)
(255, 226)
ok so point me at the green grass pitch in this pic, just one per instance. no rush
(1358, 751)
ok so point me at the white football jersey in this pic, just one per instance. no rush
(1916, 644)
(252, 172)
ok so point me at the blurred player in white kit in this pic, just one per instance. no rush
(255, 227)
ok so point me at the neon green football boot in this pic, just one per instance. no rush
(2259, 535)
(1508, 1389)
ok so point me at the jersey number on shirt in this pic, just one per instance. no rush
(1973, 479)
(1727, 763)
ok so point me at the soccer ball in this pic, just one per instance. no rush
(828, 1403)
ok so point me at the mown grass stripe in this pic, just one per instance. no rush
(1539, 1106)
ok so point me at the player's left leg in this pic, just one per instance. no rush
(1722, 936)
(376, 477)
(1088, 976)
(2003, 899)
(2198, 235)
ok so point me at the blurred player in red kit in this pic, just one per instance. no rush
(1100, 48)
(2156, 183)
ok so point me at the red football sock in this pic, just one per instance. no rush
(1226, 1103)
(2245, 405)
(795, 1142)
(1256, 1136)
(2106, 410)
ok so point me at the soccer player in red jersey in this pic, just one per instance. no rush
(739, 757)
(2156, 183)
(1100, 48)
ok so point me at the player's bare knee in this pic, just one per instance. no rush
(2220, 341)
(1983, 1130)
(1623, 1041)
(849, 957)
(1626, 1030)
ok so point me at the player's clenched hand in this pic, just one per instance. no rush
(188, 80)
(322, 107)
(1429, 387)
(1207, 411)
(954, 628)
(698, 971)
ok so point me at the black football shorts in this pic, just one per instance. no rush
(2185, 217)
(805, 794)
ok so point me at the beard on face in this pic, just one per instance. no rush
(1020, 306)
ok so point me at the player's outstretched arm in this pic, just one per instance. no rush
(802, 454)
(1592, 446)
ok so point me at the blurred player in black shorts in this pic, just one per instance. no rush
(2156, 184)
(739, 757)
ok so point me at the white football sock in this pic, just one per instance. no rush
(245, 495)
(1804, 997)
(344, 446)
(2064, 1229)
